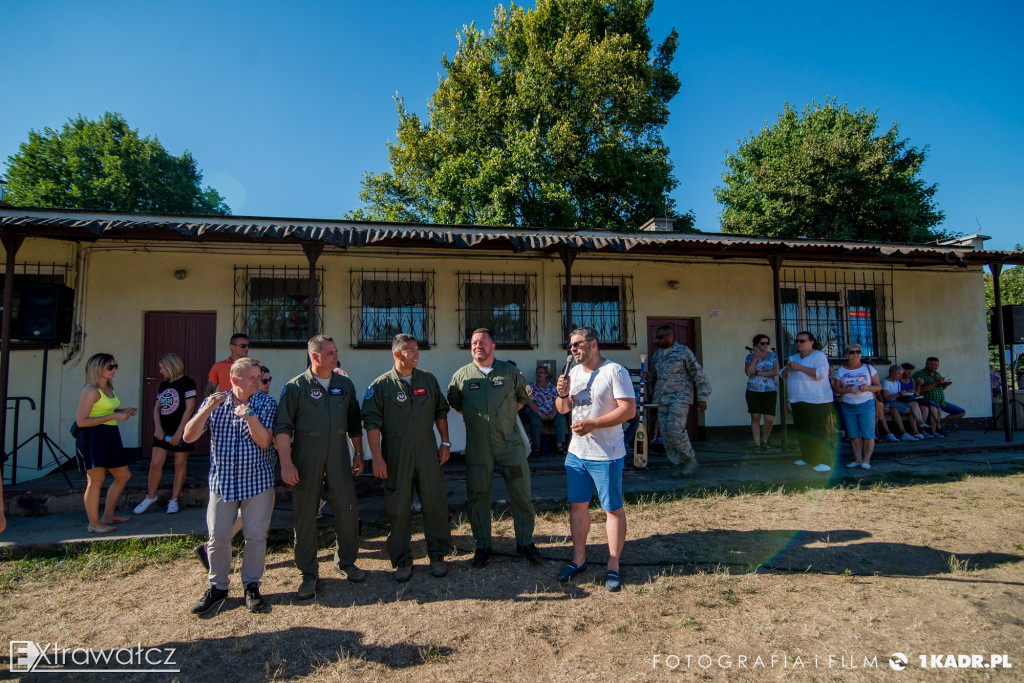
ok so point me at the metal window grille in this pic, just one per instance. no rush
(604, 302)
(271, 304)
(389, 302)
(504, 302)
(31, 274)
(840, 308)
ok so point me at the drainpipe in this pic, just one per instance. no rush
(776, 263)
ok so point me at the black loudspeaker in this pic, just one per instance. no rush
(1013, 325)
(45, 313)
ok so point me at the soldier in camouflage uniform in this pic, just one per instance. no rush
(401, 409)
(674, 372)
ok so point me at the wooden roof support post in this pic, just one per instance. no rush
(1008, 421)
(568, 257)
(312, 250)
(11, 243)
(775, 261)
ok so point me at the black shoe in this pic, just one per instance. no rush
(202, 556)
(254, 602)
(211, 600)
(307, 589)
(480, 558)
(530, 552)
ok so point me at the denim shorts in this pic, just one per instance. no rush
(859, 419)
(581, 476)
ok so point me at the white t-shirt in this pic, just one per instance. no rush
(804, 389)
(893, 387)
(854, 379)
(594, 394)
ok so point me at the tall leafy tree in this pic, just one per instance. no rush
(827, 172)
(105, 165)
(552, 118)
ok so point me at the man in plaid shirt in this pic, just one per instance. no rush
(241, 422)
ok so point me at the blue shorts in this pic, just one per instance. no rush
(952, 409)
(581, 476)
(859, 419)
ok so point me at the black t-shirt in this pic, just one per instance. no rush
(172, 397)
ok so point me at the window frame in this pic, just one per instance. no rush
(880, 348)
(527, 308)
(243, 284)
(356, 309)
(626, 314)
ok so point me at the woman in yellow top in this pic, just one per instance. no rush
(98, 445)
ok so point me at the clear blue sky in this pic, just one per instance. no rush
(286, 105)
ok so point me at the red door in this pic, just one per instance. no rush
(686, 334)
(193, 336)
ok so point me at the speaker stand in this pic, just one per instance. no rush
(44, 438)
(1012, 388)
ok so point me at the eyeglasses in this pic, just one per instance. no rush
(853, 353)
(801, 341)
(576, 344)
(241, 346)
(764, 343)
(659, 337)
(112, 366)
(267, 380)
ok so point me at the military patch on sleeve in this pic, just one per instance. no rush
(339, 371)
(369, 393)
(282, 393)
(529, 391)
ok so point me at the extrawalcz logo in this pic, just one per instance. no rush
(27, 656)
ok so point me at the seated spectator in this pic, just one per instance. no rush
(882, 425)
(929, 411)
(932, 385)
(900, 402)
(542, 409)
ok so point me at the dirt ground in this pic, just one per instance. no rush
(847, 577)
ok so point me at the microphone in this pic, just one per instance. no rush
(569, 362)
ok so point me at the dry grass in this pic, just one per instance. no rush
(849, 573)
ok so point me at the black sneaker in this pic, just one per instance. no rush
(480, 558)
(202, 556)
(254, 602)
(211, 600)
(530, 552)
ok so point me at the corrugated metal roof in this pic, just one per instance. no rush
(79, 225)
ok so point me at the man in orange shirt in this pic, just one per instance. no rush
(220, 373)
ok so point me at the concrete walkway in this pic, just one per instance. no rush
(725, 462)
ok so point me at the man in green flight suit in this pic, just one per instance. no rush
(489, 394)
(400, 410)
(315, 412)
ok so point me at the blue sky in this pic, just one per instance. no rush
(286, 105)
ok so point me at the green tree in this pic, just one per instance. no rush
(552, 118)
(1011, 292)
(105, 165)
(827, 173)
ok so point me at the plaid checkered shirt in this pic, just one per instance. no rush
(240, 469)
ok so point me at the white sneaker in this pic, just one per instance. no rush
(852, 464)
(172, 506)
(824, 468)
(865, 466)
(799, 462)
(919, 437)
(144, 505)
(908, 437)
(938, 436)
(927, 435)
(891, 437)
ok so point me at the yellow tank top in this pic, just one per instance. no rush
(105, 406)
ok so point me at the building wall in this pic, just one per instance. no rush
(937, 313)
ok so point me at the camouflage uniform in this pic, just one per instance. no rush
(676, 371)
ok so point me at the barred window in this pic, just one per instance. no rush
(389, 302)
(504, 302)
(30, 274)
(271, 305)
(604, 302)
(844, 309)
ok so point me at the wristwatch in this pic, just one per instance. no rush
(251, 413)
(446, 443)
(358, 454)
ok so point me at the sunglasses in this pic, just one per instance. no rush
(659, 337)
(267, 380)
(801, 341)
(764, 343)
(241, 346)
(853, 353)
(576, 344)
(112, 366)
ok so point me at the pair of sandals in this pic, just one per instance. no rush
(612, 578)
(106, 527)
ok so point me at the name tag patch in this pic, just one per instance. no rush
(497, 381)
(474, 385)
(336, 391)
(419, 392)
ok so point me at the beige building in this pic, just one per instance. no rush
(144, 285)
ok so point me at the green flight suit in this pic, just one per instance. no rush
(490, 407)
(405, 414)
(318, 420)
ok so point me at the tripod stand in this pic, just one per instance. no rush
(44, 438)
(1011, 386)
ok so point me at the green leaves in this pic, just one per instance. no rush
(825, 173)
(552, 118)
(105, 165)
